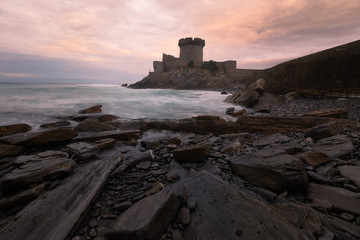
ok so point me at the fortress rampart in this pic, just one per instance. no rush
(191, 55)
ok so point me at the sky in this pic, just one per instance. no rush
(116, 41)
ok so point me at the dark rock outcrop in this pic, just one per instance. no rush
(13, 129)
(93, 109)
(153, 215)
(40, 138)
(281, 172)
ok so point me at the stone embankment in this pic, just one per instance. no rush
(103, 177)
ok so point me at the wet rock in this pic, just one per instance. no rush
(239, 113)
(61, 123)
(324, 130)
(155, 187)
(335, 147)
(105, 143)
(339, 198)
(270, 124)
(13, 129)
(82, 150)
(56, 135)
(9, 150)
(196, 153)
(330, 112)
(281, 172)
(93, 109)
(314, 158)
(147, 219)
(36, 171)
(248, 97)
(143, 157)
(352, 173)
(230, 110)
(93, 125)
(233, 147)
(236, 215)
(200, 124)
(107, 118)
(117, 134)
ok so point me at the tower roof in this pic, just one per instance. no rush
(190, 41)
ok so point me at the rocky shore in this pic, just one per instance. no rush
(282, 175)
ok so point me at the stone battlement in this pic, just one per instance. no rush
(190, 41)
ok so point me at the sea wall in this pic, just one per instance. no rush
(333, 72)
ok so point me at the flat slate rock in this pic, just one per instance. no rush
(117, 134)
(35, 172)
(280, 172)
(54, 213)
(40, 138)
(13, 129)
(147, 219)
(339, 198)
(351, 172)
(335, 147)
(82, 150)
(9, 150)
(223, 212)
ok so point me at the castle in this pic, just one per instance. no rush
(191, 55)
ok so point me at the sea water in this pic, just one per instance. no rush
(35, 103)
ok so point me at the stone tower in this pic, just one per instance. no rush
(191, 49)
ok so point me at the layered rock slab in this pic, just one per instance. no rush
(223, 212)
(339, 198)
(280, 172)
(147, 219)
(54, 213)
(40, 138)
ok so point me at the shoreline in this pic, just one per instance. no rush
(138, 162)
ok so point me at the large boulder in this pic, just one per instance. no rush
(325, 130)
(13, 129)
(195, 153)
(248, 97)
(147, 219)
(40, 138)
(223, 212)
(335, 147)
(280, 172)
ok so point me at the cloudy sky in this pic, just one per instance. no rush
(116, 41)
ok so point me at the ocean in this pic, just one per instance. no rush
(38, 103)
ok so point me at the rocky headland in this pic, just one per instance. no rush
(290, 174)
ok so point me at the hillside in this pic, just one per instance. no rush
(334, 71)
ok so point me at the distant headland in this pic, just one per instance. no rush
(332, 72)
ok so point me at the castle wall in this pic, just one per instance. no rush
(158, 67)
(228, 67)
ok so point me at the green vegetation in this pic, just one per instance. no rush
(210, 65)
(191, 64)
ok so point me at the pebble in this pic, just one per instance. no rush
(347, 216)
(93, 223)
(184, 216)
(92, 233)
(191, 203)
(177, 235)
